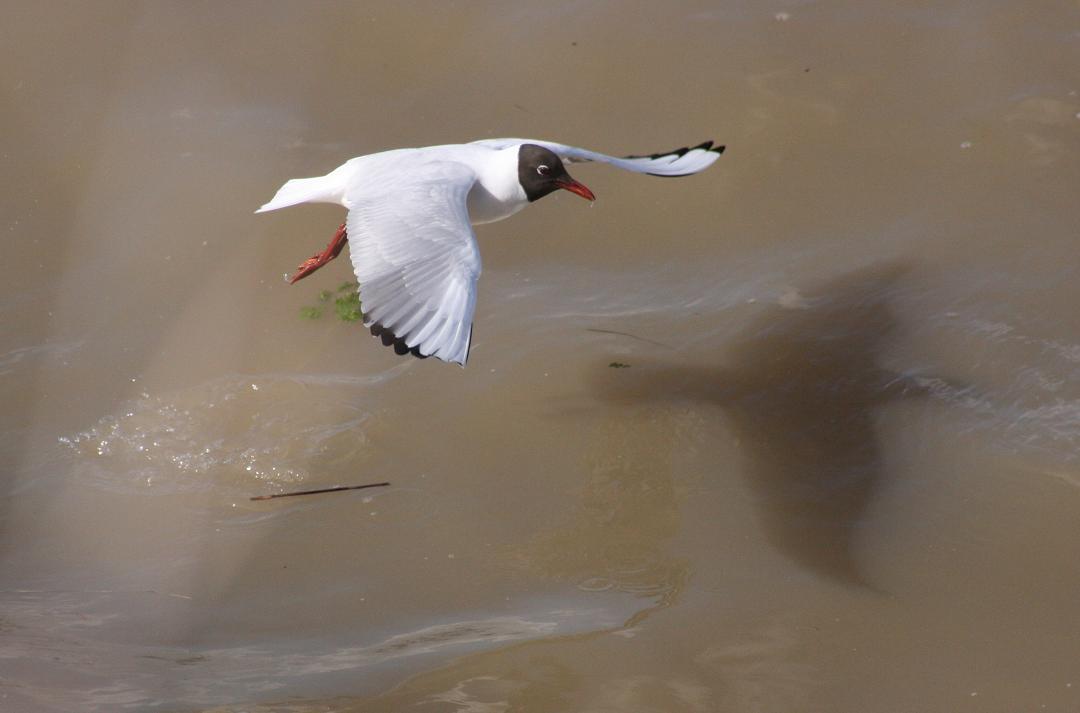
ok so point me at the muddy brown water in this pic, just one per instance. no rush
(839, 473)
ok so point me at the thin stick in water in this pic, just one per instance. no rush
(627, 334)
(320, 490)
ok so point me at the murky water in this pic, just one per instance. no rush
(839, 472)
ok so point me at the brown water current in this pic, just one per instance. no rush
(800, 433)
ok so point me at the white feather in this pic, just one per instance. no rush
(414, 251)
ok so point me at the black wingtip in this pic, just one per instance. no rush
(389, 339)
(708, 146)
(705, 146)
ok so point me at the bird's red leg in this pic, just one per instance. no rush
(313, 263)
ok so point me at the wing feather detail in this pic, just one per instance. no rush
(415, 255)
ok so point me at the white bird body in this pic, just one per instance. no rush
(409, 225)
(496, 194)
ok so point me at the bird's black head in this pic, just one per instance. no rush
(541, 172)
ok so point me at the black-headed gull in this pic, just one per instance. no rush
(410, 221)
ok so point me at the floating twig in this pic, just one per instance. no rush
(319, 490)
(627, 334)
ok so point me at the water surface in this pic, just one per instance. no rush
(838, 471)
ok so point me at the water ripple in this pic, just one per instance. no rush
(231, 430)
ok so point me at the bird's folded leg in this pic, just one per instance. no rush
(313, 263)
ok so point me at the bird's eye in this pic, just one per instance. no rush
(542, 170)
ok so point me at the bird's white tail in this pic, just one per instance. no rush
(321, 189)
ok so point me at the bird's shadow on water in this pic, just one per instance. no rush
(801, 388)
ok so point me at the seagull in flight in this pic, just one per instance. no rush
(410, 218)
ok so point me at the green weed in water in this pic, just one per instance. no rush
(347, 307)
(346, 303)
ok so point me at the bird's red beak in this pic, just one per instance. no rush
(569, 184)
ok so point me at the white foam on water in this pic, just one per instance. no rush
(233, 430)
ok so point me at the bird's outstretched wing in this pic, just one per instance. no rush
(679, 162)
(415, 255)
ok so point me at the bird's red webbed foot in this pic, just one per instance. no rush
(313, 263)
